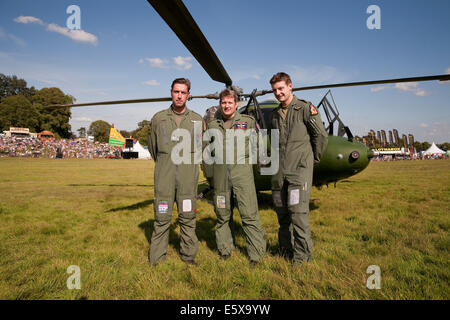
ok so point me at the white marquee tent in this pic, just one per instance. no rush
(433, 150)
(143, 153)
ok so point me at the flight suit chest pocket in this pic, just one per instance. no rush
(164, 132)
(297, 129)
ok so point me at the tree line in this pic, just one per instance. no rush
(23, 106)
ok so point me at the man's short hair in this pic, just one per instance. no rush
(281, 76)
(227, 93)
(182, 81)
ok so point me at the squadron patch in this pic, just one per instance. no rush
(313, 109)
(163, 206)
(220, 202)
(241, 125)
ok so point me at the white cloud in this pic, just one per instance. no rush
(151, 83)
(178, 62)
(82, 119)
(28, 19)
(411, 87)
(76, 35)
(376, 89)
(424, 125)
(157, 62)
(183, 62)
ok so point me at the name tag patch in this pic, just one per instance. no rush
(163, 206)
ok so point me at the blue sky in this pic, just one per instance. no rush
(125, 51)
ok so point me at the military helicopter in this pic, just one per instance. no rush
(343, 157)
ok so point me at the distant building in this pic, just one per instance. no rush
(380, 140)
(396, 138)
(404, 141)
(383, 138)
(411, 140)
(17, 132)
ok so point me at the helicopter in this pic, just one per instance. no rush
(343, 157)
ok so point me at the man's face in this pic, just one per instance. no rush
(282, 91)
(228, 106)
(179, 94)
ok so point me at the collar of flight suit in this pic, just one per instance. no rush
(170, 111)
(295, 103)
(237, 117)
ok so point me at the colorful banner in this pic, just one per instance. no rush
(115, 138)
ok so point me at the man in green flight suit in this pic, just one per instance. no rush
(303, 140)
(174, 182)
(234, 175)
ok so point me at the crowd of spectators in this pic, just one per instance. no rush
(34, 147)
(414, 157)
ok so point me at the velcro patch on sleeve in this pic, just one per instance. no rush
(313, 110)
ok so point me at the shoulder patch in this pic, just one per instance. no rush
(313, 110)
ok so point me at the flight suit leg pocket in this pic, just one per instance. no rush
(163, 210)
(222, 200)
(187, 207)
(298, 198)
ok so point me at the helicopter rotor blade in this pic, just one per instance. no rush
(442, 77)
(100, 103)
(177, 16)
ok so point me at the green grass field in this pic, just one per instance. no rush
(98, 215)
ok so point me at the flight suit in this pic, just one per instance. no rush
(173, 183)
(236, 179)
(303, 140)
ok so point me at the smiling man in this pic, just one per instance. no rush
(303, 140)
(174, 182)
(235, 180)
